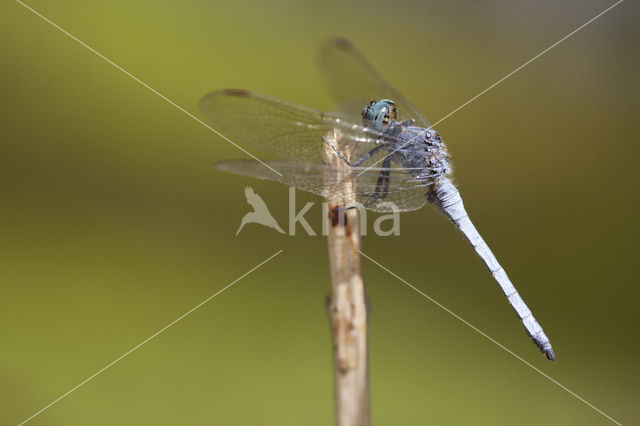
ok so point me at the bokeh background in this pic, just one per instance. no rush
(114, 220)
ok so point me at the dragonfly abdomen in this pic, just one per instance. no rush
(446, 198)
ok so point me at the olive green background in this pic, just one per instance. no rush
(114, 220)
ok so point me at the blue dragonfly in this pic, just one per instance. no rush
(396, 161)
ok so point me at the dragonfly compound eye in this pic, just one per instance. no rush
(378, 114)
(365, 110)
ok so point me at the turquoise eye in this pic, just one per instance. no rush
(378, 114)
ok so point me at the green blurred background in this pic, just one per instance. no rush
(114, 220)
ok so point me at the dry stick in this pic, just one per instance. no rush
(346, 305)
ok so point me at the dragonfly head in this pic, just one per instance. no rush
(378, 114)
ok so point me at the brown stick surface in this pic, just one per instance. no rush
(346, 307)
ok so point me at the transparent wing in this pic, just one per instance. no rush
(353, 82)
(403, 193)
(289, 131)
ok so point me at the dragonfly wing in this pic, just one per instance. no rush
(289, 131)
(353, 82)
(403, 193)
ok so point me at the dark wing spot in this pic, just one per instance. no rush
(237, 92)
(344, 44)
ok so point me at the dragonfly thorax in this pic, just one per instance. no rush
(378, 114)
(421, 151)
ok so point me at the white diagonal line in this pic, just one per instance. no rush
(476, 329)
(127, 73)
(497, 82)
(149, 338)
(528, 62)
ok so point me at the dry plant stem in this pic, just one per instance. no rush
(346, 307)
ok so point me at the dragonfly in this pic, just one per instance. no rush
(395, 159)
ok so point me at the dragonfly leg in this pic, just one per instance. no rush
(368, 155)
(360, 160)
(338, 153)
(382, 185)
